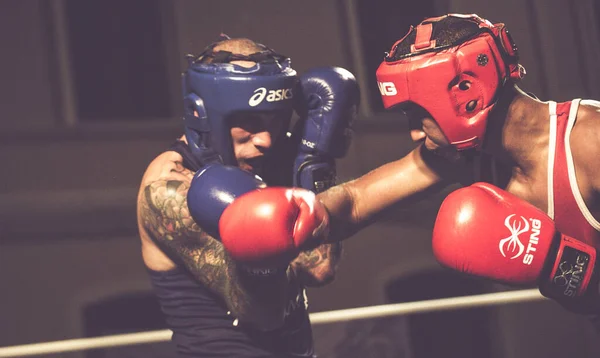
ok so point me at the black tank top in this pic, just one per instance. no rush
(202, 325)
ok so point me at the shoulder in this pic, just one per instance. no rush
(166, 165)
(164, 186)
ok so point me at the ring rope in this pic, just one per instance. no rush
(397, 309)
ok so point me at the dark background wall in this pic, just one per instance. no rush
(89, 94)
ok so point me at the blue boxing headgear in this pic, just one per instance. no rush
(214, 89)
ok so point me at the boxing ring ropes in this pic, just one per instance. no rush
(398, 309)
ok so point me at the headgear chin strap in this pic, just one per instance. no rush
(214, 89)
(456, 82)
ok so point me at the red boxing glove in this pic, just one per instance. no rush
(485, 231)
(267, 228)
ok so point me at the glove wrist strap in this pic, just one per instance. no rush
(572, 271)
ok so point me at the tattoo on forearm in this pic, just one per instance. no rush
(314, 258)
(320, 262)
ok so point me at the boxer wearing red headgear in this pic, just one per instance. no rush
(456, 79)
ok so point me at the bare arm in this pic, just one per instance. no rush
(357, 203)
(166, 218)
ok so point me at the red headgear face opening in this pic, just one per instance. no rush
(457, 83)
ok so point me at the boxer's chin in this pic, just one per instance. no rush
(254, 165)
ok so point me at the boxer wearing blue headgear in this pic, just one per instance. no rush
(218, 89)
(230, 258)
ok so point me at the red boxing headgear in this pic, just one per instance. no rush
(455, 80)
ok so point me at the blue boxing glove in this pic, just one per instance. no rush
(328, 105)
(211, 191)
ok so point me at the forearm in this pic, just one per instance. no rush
(358, 203)
(344, 221)
(317, 267)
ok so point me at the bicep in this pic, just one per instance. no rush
(166, 218)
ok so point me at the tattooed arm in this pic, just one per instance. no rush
(166, 218)
(317, 267)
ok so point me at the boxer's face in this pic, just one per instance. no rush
(425, 129)
(430, 133)
(252, 136)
